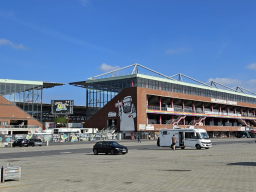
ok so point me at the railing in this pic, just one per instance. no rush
(154, 107)
(20, 126)
(199, 110)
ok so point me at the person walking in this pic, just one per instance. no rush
(139, 139)
(174, 141)
(149, 137)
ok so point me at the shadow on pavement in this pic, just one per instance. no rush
(243, 163)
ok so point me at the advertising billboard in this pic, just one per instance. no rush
(62, 106)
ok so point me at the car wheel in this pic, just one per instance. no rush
(95, 152)
(198, 146)
(33, 145)
(123, 153)
(206, 147)
(182, 147)
(40, 145)
(112, 152)
(20, 145)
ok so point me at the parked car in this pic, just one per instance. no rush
(111, 147)
(35, 142)
(20, 143)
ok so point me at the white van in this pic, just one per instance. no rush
(188, 137)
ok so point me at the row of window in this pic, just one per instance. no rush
(165, 86)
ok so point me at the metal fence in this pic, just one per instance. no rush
(61, 137)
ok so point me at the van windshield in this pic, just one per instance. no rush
(204, 135)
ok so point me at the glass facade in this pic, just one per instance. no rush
(166, 86)
(28, 97)
(100, 93)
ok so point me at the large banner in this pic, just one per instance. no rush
(62, 106)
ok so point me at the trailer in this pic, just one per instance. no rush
(188, 137)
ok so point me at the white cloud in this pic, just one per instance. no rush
(252, 66)
(85, 2)
(227, 81)
(7, 42)
(105, 67)
(174, 51)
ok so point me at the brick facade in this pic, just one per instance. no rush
(9, 111)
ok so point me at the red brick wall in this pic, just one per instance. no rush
(99, 120)
(9, 111)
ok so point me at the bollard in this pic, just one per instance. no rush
(47, 143)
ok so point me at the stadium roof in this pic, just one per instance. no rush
(176, 79)
(28, 85)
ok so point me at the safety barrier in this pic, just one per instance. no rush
(9, 172)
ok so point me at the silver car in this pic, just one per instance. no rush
(35, 142)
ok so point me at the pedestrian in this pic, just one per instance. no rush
(139, 139)
(148, 137)
(174, 141)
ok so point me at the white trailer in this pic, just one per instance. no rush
(188, 137)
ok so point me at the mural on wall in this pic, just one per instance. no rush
(126, 113)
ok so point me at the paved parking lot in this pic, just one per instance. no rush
(230, 165)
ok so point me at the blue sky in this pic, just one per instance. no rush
(72, 40)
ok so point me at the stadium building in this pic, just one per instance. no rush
(21, 105)
(139, 103)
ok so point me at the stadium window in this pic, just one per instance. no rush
(202, 91)
(180, 89)
(170, 87)
(157, 84)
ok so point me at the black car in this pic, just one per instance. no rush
(35, 142)
(111, 147)
(20, 143)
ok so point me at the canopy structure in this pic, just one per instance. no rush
(27, 95)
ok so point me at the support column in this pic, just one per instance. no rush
(160, 119)
(235, 109)
(147, 101)
(253, 112)
(172, 102)
(193, 106)
(203, 107)
(219, 108)
(159, 101)
(147, 119)
(183, 105)
(211, 106)
(241, 111)
(247, 112)
(227, 108)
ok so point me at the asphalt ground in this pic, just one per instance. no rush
(229, 165)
